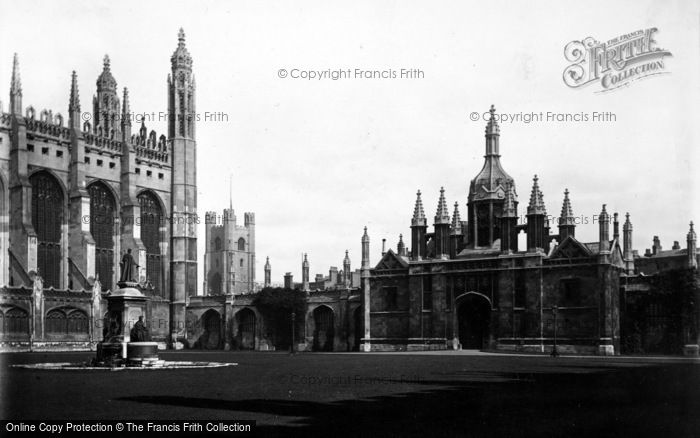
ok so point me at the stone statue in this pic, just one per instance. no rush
(129, 266)
(139, 333)
(112, 328)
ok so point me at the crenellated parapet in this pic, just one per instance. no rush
(101, 142)
(49, 125)
(150, 146)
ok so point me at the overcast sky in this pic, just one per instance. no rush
(317, 160)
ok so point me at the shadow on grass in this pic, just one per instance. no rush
(642, 401)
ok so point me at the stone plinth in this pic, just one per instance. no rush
(141, 350)
(125, 305)
(108, 352)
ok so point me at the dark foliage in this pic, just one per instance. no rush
(661, 320)
(276, 305)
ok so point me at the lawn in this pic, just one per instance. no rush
(445, 394)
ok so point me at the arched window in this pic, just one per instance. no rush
(217, 244)
(77, 323)
(16, 322)
(66, 321)
(56, 322)
(102, 214)
(151, 217)
(47, 218)
(241, 263)
(241, 244)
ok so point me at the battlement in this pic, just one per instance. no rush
(147, 147)
(249, 219)
(49, 125)
(102, 142)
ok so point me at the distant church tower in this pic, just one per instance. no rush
(229, 256)
(183, 147)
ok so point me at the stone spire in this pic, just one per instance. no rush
(401, 247)
(627, 254)
(537, 224)
(567, 214)
(692, 248)
(305, 274)
(126, 116)
(567, 222)
(365, 250)
(126, 108)
(347, 275)
(106, 102)
(509, 220)
(418, 213)
(509, 206)
(106, 81)
(442, 227)
(181, 57)
(456, 221)
(604, 230)
(492, 134)
(442, 216)
(74, 103)
(15, 89)
(691, 232)
(268, 272)
(346, 261)
(536, 205)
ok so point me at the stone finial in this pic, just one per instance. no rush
(125, 101)
(15, 89)
(567, 214)
(418, 213)
(16, 82)
(536, 205)
(456, 221)
(691, 232)
(401, 247)
(442, 216)
(509, 205)
(106, 81)
(181, 57)
(492, 127)
(74, 103)
(627, 225)
(365, 236)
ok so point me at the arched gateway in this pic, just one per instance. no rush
(473, 321)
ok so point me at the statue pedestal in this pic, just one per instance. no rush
(125, 305)
(142, 353)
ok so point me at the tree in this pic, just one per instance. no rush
(276, 306)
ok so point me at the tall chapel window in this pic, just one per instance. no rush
(47, 218)
(102, 226)
(151, 217)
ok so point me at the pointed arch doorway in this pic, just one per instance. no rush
(473, 321)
